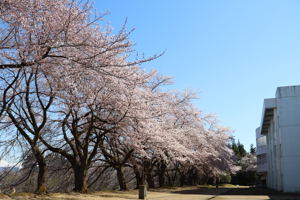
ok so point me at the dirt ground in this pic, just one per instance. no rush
(184, 193)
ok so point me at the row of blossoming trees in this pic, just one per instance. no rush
(70, 89)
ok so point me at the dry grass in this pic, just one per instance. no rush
(108, 195)
(104, 195)
(202, 192)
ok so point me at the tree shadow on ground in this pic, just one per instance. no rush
(251, 191)
(203, 191)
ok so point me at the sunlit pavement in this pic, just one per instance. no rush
(221, 197)
(222, 194)
(185, 193)
(207, 197)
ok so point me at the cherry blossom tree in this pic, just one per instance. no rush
(65, 43)
(70, 87)
(59, 34)
(88, 107)
(27, 110)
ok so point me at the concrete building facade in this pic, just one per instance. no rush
(261, 154)
(281, 125)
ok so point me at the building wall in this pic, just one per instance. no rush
(274, 179)
(283, 140)
(288, 103)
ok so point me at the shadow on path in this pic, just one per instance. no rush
(204, 191)
(247, 193)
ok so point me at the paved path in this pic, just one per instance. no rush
(222, 194)
(166, 194)
(192, 194)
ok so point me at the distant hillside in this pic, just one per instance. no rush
(6, 166)
(13, 169)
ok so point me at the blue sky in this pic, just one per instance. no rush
(235, 53)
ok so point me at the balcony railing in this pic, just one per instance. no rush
(261, 150)
(262, 167)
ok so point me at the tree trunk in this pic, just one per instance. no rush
(148, 172)
(41, 179)
(138, 176)
(182, 179)
(121, 179)
(161, 177)
(41, 182)
(80, 175)
(150, 180)
(169, 179)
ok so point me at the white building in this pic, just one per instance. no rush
(281, 126)
(261, 154)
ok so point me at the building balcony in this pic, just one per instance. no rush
(261, 168)
(261, 150)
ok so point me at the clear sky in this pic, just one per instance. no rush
(235, 53)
